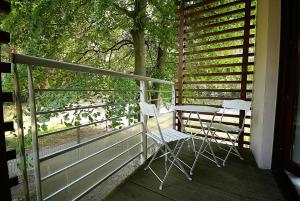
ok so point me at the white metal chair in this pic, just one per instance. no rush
(236, 104)
(161, 138)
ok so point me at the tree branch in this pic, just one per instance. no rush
(124, 10)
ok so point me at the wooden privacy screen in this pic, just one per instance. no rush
(5, 155)
(216, 56)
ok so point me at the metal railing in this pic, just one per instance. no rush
(134, 141)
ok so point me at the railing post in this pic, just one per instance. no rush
(143, 97)
(34, 133)
(173, 105)
(19, 111)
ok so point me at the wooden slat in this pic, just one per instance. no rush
(5, 67)
(203, 19)
(194, 37)
(7, 97)
(217, 114)
(8, 126)
(4, 37)
(199, 127)
(234, 47)
(215, 74)
(216, 90)
(217, 58)
(245, 61)
(4, 7)
(215, 82)
(213, 97)
(13, 181)
(218, 24)
(205, 120)
(11, 154)
(196, 5)
(210, 105)
(198, 12)
(217, 41)
(216, 66)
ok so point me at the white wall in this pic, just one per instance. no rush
(265, 81)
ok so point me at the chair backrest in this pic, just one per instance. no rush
(237, 104)
(150, 110)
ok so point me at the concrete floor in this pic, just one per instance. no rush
(239, 180)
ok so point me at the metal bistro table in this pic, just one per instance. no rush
(209, 154)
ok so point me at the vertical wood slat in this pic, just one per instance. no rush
(5, 181)
(245, 64)
(181, 57)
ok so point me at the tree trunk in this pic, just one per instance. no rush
(158, 66)
(139, 52)
(138, 36)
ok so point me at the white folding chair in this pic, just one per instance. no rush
(236, 104)
(161, 138)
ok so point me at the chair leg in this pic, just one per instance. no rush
(175, 160)
(152, 159)
(232, 148)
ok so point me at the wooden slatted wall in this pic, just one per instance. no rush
(5, 182)
(216, 55)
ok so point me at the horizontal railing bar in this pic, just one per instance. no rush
(52, 155)
(215, 74)
(217, 41)
(187, 38)
(84, 125)
(215, 82)
(217, 58)
(195, 13)
(106, 177)
(216, 66)
(216, 90)
(93, 90)
(200, 28)
(83, 107)
(92, 171)
(234, 47)
(49, 63)
(158, 91)
(90, 156)
(212, 97)
(203, 19)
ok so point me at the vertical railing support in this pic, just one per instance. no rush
(143, 98)
(34, 133)
(173, 105)
(20, 130)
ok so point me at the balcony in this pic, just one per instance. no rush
(238, 180)
(85, 159)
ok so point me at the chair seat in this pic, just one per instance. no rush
(224, 127)
(169, 135)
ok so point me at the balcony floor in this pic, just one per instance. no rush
(237, 181)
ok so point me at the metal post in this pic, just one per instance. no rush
(144, 121)
(34, 132)
(173, 105)
(19, 110)
(78, 135)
